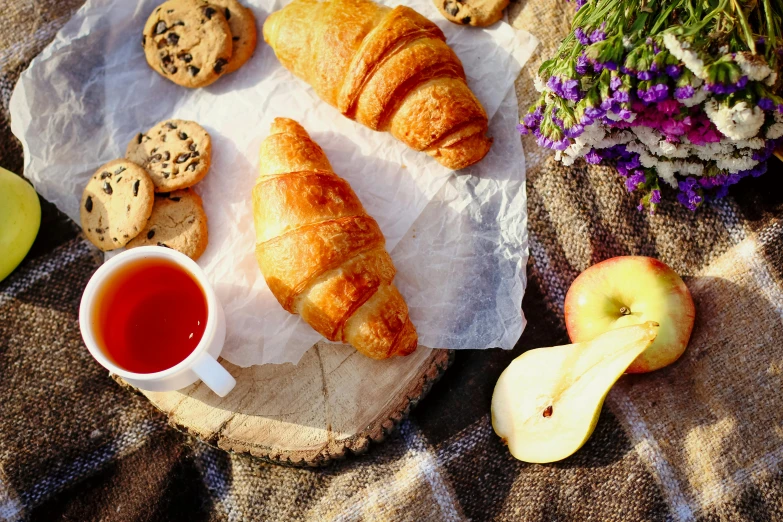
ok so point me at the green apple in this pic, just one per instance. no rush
(629, 290)
(20, 218)
(546, 403)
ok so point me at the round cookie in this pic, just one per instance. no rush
(188, 42)
(116, 204)
(178, 221)
(243, 30)
(480, 13)
(176, 154)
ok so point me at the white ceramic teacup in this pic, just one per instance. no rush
(200, 364)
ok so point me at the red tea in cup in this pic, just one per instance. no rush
(149, 315)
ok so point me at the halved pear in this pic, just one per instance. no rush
(546, 403)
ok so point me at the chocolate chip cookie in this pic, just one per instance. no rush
(178, 221)
(116, 204)
(243, 30)
(480, 13)
(176, 153)
(188, 41)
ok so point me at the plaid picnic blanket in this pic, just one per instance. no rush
(700, 440)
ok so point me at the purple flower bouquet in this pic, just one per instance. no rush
(684, 91)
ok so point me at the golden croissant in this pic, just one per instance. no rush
(388, 69)
(322, 256)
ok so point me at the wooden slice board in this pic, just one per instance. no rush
(335, 401)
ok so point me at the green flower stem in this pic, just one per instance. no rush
(773, 25)
(745, 26)
(663, 18)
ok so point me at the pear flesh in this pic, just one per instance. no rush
(546, 403)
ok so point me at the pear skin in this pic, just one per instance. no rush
(546, 403)
(20, 218)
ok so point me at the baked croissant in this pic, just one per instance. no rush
(322, 256)
(388, 69)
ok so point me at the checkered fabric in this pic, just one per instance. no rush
(700, 440)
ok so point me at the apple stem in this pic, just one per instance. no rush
(625, 311)
(548, 411)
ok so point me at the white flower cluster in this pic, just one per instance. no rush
(680, 51)
(595, 136)
(687, 159)
(734, 153)
(591, 137)
(775, 130)
(738, 122)
(539, 84)
(755, 67)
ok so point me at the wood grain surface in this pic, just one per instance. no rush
(333, 403)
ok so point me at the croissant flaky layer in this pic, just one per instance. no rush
(322, 256)
(389, 69)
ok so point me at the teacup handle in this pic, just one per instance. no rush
(214, 375)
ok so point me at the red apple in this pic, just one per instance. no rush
(630, 290)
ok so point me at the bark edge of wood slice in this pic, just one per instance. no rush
(335, 402)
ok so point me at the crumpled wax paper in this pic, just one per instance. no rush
(459, 240)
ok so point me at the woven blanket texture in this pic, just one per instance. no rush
(700, 440)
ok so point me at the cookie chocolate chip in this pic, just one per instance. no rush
(480, 13)
(178, 221)
(176, 153)
(184, 39)
(116, 204)
(243, 30)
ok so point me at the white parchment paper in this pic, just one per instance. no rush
(459, 240)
